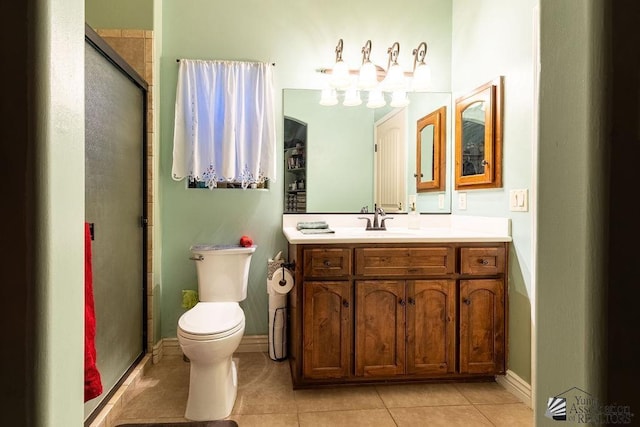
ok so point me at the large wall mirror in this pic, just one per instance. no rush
(339, 153)
(478, 148)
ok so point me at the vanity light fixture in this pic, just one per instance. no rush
(351, 97)
(368, 74)
(328, 97)
(399, 99)
(340, 78)
(376, 99)
(375, 79)
(394, 79)
(421, 71)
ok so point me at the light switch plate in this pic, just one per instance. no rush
(462, 201)
(519, 200)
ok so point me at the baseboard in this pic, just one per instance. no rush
(157, 352)
(517, 386)
(171, 347)
(254, 344)
(249, 344)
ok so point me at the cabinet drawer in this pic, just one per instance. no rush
(404, 261)
(327, 262)
(482, 261)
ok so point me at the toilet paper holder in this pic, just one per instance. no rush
(289, 266)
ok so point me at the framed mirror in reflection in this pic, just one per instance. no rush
(431, 151)
(339, 151)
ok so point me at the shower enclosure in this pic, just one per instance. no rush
(115, 192)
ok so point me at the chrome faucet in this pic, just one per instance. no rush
(377, 212)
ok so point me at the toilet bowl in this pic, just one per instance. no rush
(211, 331)
(208, 334)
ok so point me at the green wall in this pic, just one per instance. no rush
(42, 304)
(299, 36)
(493, 38)
(572, 202)
(120, 14)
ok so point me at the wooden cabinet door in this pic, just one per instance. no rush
(482, 326)
(327, 329)
(380, 327)
(431, 330)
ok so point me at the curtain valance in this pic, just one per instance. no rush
(224, 122)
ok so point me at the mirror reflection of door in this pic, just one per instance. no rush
(390, 162)
(473, 141)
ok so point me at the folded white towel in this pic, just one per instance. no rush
(312, 225)
(316, 231)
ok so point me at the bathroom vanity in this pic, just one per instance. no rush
(398, 305)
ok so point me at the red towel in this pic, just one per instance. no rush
(92, 381)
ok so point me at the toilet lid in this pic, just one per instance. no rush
(211, 318)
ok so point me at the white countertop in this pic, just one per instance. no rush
(434, 228)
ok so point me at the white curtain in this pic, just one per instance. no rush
(224, 122)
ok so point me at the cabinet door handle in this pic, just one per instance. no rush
(345, 303)
(327, 263)
(466, 301)
(412, 301)
(483, 261)
(401, 302)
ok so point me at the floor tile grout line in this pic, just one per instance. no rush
(484, 416)
(392, 417)
(461, 393)
(385, 405)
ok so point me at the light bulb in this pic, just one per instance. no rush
(399, 99)
(352, 98)
(328, 97)
(421, 78)
(368, 76)
(376, 99)
(340, 75)
(394, 79)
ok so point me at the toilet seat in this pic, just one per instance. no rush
(211, 320)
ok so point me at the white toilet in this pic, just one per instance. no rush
(211, 331)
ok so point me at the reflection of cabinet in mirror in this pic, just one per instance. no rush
(431, 151)
(295, 145)
(478, 148)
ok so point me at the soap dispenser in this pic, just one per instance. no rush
(414, 218)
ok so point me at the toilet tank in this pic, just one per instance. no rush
(223, 272)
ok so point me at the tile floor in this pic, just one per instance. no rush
(266, 398)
